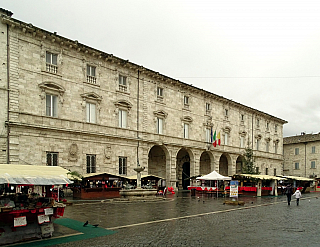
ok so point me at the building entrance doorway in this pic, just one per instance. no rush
(185, 175)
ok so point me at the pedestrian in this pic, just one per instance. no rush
(289, 193)
(298, 195)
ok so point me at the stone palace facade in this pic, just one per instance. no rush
(64, 103)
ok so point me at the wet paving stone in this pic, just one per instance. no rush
(182, 220)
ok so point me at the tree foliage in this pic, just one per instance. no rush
(248, 166)
(75, 176)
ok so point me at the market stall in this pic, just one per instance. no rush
(27, 206)
(305, 184)
(209, 183)
(258, 185)
(148, 181)
(98, 186)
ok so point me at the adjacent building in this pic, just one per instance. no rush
(66, 104)
(301, 155)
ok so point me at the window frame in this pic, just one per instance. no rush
(186, 100)
(296, 166)
(89, 109)
(186, 128)
(313, 164)
(51, 65)
(122, 118)
(123, 83)
(54, 158)
(160, 122)
(160, 92)
(52, 109)
(208, 135)
(296, 151)
(123, 165)
(91, 74)
(313, 149)
(91, 163)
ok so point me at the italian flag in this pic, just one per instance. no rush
(219, 139)
(214, 139)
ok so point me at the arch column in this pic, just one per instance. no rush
(215, 162)
(172, 168)
(195, 164)
(233, 164)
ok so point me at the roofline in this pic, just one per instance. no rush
(7, 19)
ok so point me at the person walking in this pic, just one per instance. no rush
(289, 192)
(298, 195)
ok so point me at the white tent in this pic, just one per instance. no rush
(213, 176)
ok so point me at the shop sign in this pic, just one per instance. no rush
(233, 188)
(20, 221)
(48, 211)
(42, 218)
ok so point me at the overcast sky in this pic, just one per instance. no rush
(263, 54)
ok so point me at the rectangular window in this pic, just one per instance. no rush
(52, 159)
(267, 170)
(123, 165)
(313, 150)
(258, 122)
(91, 113)
(267, 126)
(185, 130)
(226, 112)
(51, 62)
(242, 141)
(186, 100)
(257, 169)
(226, 138)
(208, 107)
(91, 163)
(51, 105)
(122, 83)
(276, 128)
(296, 166)
(296, 151)
(267, 147)
(274, 172)
(160, 92)
(258, 144)
(313, 164)
(276, 148)
(91, 74)
(123, 118)
(160, 126)
(242, 117)
(208, 135)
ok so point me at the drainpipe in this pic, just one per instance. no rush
(305, 159)
(8, 97)
(138, 92)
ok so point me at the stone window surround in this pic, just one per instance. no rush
(122, 105)
(119, 87)
(52, 50)
(92, 98)
(51, 88)
(89, 79)
(186, 120)
(163, 115)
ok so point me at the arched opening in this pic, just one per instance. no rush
(205, 163)
(157, 162)
(239, 164)
(223, 165)
(183, 169)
